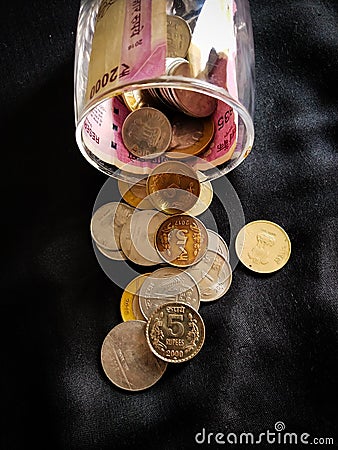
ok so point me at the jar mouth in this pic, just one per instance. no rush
(124, 172)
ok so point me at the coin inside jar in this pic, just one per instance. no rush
(178, 36)
(181, 240)
(173, 187)
(193, 103)
(146, 132)
(190, 136)
(175, 332)
(127, 359)
(167, 284)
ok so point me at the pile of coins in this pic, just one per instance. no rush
(176, 121)
(159, 309)
(156, 226)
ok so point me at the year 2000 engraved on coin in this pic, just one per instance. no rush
(181, 240)
(175, 332)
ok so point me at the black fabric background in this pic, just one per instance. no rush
(271, 348)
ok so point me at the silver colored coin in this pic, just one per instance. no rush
(217, 244)
(127, 359)
(168, 284)
(138, 237)
(213, 275)
(116, 255)
(106, 224)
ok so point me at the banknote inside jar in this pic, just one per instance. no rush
(138, 128)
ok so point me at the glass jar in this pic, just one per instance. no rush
(191, 58)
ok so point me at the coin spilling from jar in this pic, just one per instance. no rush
(187, 266)
(155, 226)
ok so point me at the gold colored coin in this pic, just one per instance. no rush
(204, 200)
(181, 240)
(146, 132)
(136, 99)
(129, 306)
(190, 136)
(178, 36)
(135, 194)
(263, 246)
(173, 187)
(175, 332)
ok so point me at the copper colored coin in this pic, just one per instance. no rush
(190, 136)
(175, 332)
(181, 240)
(173, 187)
(146, 132)
(127, 359)
(192, 103)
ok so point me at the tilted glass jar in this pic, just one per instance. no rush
(135, 53)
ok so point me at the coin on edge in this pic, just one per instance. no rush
(181, 240)
(129, 305)
(106, 224)
(175, 332)
(178, 36)
(168, 284)
(146, 132)
(263, 246)
(217, 244)
(173, 187)
(213, 275)
(127, 359)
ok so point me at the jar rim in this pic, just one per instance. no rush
(178, 82)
